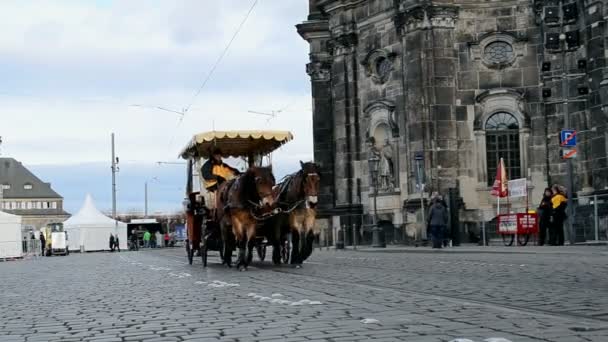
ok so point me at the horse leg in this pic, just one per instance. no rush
(302, 247)
(241, 243)
(276, 241)
(295, 242)
(310, 238)
(228, 244)
(250, 234)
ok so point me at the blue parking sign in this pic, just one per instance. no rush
(567, 138)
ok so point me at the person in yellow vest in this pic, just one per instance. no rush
(559, 202)
(215, 171)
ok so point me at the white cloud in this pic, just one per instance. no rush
(76, 66)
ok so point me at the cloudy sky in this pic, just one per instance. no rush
(75, 71)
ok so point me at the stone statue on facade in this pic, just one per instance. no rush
(387, 168)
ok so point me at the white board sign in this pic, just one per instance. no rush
(518, 188)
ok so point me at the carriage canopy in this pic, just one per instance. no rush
(235, 143)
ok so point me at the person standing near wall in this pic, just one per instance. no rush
(559, 202)
(42, 243)
(438, 221)
(545, 210)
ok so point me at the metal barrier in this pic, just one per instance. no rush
(31, 248)
(590, 218)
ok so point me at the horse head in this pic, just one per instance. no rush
(258, 186)
(310, 183)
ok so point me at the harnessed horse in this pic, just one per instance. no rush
(298, 198)
(239, 202)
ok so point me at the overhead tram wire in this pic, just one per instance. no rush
(213, 68)
(222, 55)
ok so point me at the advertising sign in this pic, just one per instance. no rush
(507, 224)
(521, 223)
(518, 188)
(180, 232)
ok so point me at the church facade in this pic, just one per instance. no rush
(441, 90)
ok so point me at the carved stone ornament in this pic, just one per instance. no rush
(342, 43)
(319, 71)
(378, 65)
(382, 111)
(497, 50)
(425, 16)
(501, 100)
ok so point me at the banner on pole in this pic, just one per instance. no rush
(500, 187)
(518, 188)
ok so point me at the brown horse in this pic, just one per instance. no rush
(298, 198)
(239, 201)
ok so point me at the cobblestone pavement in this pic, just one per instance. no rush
(337, 296)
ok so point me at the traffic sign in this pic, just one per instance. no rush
(567, 138)
(569, 153)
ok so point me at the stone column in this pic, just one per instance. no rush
(316, 32)
(345, 110)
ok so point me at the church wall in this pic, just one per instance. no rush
(421, 76)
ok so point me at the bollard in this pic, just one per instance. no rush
(354, 237)
(596, 219)
(340, 241)
(483, 232)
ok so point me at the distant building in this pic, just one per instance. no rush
(24, 194)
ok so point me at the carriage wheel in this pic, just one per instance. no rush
(261, 252)
(285, 250)
(507, 240)
(522, 239)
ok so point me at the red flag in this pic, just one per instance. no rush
(500, 187)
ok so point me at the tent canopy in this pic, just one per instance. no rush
(10, 235)
(90, 228)
(90, 216)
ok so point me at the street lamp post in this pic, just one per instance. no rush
(569, 168)
(377, 240)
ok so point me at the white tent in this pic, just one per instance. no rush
(91, 229)
(10, 236)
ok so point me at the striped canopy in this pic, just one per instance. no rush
(235, 143)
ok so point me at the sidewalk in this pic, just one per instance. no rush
(475, 249)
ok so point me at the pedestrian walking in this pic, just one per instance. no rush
(117, 243)
(166, 239)
(147, 236)
(134, 241)
(153, 240)
(42, 243)
(437, 221)
(111, 243)
(545, 211)
(559, 203)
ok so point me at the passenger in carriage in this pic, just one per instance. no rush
(215, 171)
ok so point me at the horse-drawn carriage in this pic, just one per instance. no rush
(251, 210)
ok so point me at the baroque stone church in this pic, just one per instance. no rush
(453, 86)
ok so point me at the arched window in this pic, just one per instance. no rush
(502, 141)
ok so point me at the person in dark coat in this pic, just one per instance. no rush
(438, 221)
(545, 211)
(117, 243)
(42, 243)
(111, 242)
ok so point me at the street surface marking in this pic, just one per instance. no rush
(370, 321)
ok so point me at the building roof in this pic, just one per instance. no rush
(37, 212)
(13, 173)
